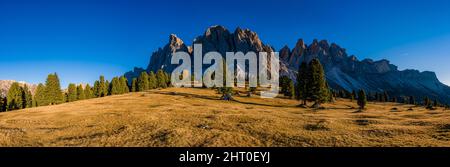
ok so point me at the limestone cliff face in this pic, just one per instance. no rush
(343, 71)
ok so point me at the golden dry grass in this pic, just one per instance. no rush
(196, 118)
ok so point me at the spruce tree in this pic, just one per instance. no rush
(143, 84)
(15, 97)
(426, 102)
(385, 96)
(134, 85)
(88, 92)
(152, 81)
(123, 85)
(352, 96)
(72, 93)
(53, 92)
(435, 103)
(80, 93)
(283, 84)
(161, 79)
(96, 90)
(39, 96)
(28, 97)
(302, 83)
(362, 100)
(290, 91)
(108, 88)
(102, 87)
(115, 86)
(318, 84)
(412, 100)
(2, 104)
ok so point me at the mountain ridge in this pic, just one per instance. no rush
(343, 71)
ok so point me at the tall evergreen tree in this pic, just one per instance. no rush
(102, 87)
(108, 88)
(15, 97)
(80, 93)
(161, 79)
(39, 96)
(88, 92)
(362, 100)
(385, 96)
(317, 85)
(115, 86)
(435, 103)
(152, 80)
(143, 82)
(28, 97)
(352, 95)
(123, 85)
(2, 104)
(302, 83)
(72, 93)
(284, 84)
(290, 91)
(53, 92)
(412, 100)
(97, 90)
(134, 85)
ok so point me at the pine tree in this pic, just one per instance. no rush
(39, 96)
(290, 91)
(2, 104)
(108, 88)
(161, 79)
(435, 103)
(88, 92)
(96, 90)
(302, 83)
(134, 85)
(115, 86)
(72, 93)
(28, 97)
(102, 87)
(143, 82)
(15, 97)
(80, 93)
(362, 100)
(152, 81)
(317, 85)
(123, 85)
(53, 92)
(283, 84)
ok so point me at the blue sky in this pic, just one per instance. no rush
(81, 39)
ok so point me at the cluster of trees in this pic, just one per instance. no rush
(311, 84)
(50, 93)
(147, 81)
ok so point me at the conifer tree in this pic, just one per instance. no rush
(123, 85)
(53, 92)
(435, 103)
(161, 79)
(283, 84)
(96, 90)
(80, 93)
(143, 82)
(362, 101)
(385, 96)
(290, 91)
(115, 86)
(102, 87)
(134, 85)
(302, 83)
(317, 85)
(108, 88)
(28, 97)
(39, 96)
(2, 104)
(72, 93)
(152, 81)
(88, 92)
(15, 97)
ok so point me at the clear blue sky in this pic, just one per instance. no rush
(82, 39)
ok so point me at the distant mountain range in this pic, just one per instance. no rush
(343, 71)
(6, 84)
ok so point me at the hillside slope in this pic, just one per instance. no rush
(195, 117)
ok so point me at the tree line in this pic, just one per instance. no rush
(311, 85)
(50, 93)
